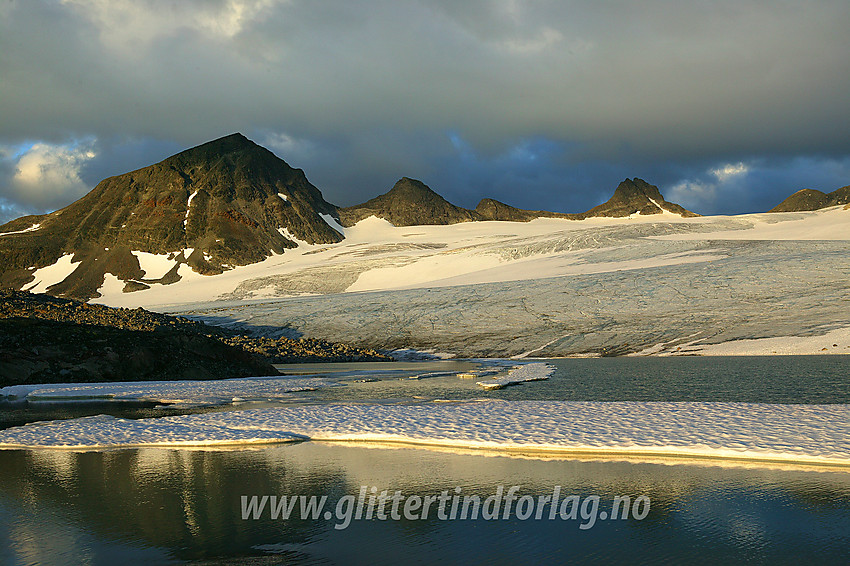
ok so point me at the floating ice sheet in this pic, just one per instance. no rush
(528, 372)
(788, 433)
(208, 391)
(103, 431)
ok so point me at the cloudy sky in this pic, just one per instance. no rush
(727, 106)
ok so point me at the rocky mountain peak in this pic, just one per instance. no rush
(411, 189)
(410, 202)
(813, 199)
(636, 196)
(221, 204)
(492, 209)
(636, 190)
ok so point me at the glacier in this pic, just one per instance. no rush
(547, 288)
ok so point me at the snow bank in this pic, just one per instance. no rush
(788, 433)
(331, 221)
(825, 224)
(528, 372)
(836, 341)
(155, 266)
(832, 341)
(32, 228)
(52, 274)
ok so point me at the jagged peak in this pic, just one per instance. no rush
(636, 196)
(637, 187)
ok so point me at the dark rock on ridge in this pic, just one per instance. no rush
(48, 351)
(490, 209)
(46, 339)
(813, 199)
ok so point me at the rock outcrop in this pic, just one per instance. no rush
(813, 199)
(46, 339)
(490, 209)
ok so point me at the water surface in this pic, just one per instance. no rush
(161, 506)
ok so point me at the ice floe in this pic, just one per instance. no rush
(106, 431)
(528, 372)
(748, 431)
(187, 392)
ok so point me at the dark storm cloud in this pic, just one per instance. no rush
(542, 104)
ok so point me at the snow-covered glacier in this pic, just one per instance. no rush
(660, 284)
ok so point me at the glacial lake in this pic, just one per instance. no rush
(166, 505)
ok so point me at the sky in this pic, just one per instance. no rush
(727, 106)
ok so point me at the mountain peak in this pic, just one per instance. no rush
(411, 189)
(234, 138)
(216, 149)
(631, 189)
(636, 196)
(221, 204)
(410, 202)
(813, 199)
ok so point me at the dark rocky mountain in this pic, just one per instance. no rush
(411, 202)
(813, 199)
(408, 203)
(635, 196)
(214, 206)
(490, 209)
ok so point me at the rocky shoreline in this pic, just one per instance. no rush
(44, 339)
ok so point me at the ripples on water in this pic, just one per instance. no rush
(762, 379)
